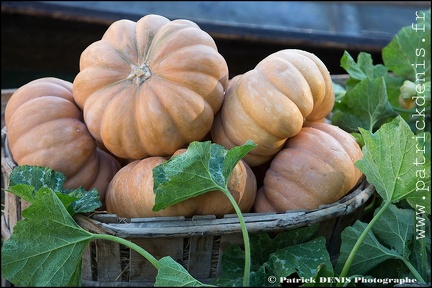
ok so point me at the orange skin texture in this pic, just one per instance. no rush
(130, 193)
(45, 128)
(315, 167)
(150, 87)
(271, 102)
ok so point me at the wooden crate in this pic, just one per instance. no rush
(197, 243)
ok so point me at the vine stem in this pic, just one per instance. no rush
(360, 240)
(413, 270)
(245, 237)
(154, 261)
(131, 245)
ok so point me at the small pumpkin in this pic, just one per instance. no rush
(130, 193)
(271, 102)
(45, 128)
(150, 87)
(315, 167)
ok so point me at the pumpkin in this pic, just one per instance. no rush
(150, 87)
(315, 167)
(45, 128)
(271, 103)
(130, 193)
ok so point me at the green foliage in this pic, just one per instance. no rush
(401, 54)
(375, 94)
(278, 256)
(392, 237)
(367, 107)
(388, 157)
(172, 274)
(26, 182)
(204, 167)
(46, 247)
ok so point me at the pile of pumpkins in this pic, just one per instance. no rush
(149, 88)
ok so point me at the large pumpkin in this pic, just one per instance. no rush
(150, 87)
(314, 168)
(45, 128)
(130, 193)
(271, 102)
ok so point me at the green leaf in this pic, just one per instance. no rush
(401, 55)
(172, 274)
(262, 246)
(395, 229)
(421, 250)
(349, 64)
(361, 70)
(26, 181)
(204, 167)
(422, 196)
(339, 91)
(392, 268)
(258, 278)
(364, 68)
(365, 106)
(24, 191)
(322, 272)
(46, 247)
(390, 241)
(37, 177)
(233, 259)
(303, 259)
(388, 157)
(370, 254)
(86, 201)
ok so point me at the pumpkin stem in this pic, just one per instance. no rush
(139, 73)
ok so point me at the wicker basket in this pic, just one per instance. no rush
(197, 243)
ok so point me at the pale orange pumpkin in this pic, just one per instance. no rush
(45, 128)
(150, 87)
(271, 103)
(315, 167)
(130, 193)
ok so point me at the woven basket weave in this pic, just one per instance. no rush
(197, 243)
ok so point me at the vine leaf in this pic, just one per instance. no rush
(388, 157)
(204, 167)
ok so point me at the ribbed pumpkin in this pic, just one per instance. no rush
(150, 87)
(130, 193)
(45, 128)
(271, 102)
(314, 168)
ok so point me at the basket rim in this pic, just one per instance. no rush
(207, 225)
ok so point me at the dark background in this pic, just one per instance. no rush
(46, 38)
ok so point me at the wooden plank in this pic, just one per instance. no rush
(86, 269)
(108, 260)
(5, 96)
(12, 210)
(141, 269)
(200, 256)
